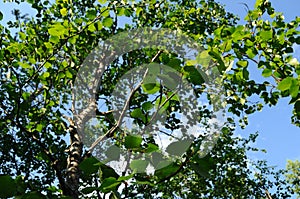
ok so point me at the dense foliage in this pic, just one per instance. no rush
(293, 175)
(42, 152)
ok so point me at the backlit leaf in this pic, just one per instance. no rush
(267, 72)
(285, 84)
(108, 22)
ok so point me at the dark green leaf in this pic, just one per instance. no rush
(150, 88)
(89, 166)
(136, 113)
(109, 184)
(166, 171)
(106, 171)
(133, 141)
(175, 63)
(88, 190)
(203, 165)
(298, 40)
(221, 66)
(147, 106)
(33, 195)
(8, 186)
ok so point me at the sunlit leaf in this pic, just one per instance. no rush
(285, 84)
(107, 22)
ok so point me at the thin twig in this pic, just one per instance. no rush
(268, 194)
(112, 130)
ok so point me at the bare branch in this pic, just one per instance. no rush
(112, 130)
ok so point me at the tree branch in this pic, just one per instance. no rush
(112, 130)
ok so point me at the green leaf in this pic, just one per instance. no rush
(1, 16)
(170, 80)
(127, 12)
(150, 88)
(266, 35)
(45, 75)
(33, 195)
(202, 166)
(8, 187)
(88, 190)
(57, 30)
(245, 74)
(294, 88)
(92, 28)
(63, 11)
(204, 58)
(106, 171)
(267, 72)
(25, 95)
(113, 196)
(124, 178)
(109, 184)
(166, 171)
(136, 113)
(242, 63)
(39, 127)
(285, 84)
(158, 104)
(108, 22)
(139, 165)
(22, 36)
(102, 1)
(298, 40)
(138, 10)
(113, 153)
(91, 14)
(251, 53)
(194, 76)
(145, 183)
(120, 11)
(54, 39)
(147, 106)
(69, 74)
(173, 63)
(178, 148)
(89, 165)
(133, 141)
(73, 39)
(151, 148)
(24, 65)
(191, 62)
(221, 66)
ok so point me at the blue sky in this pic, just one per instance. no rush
(277, 135)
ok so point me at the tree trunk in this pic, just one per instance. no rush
(73, 161)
